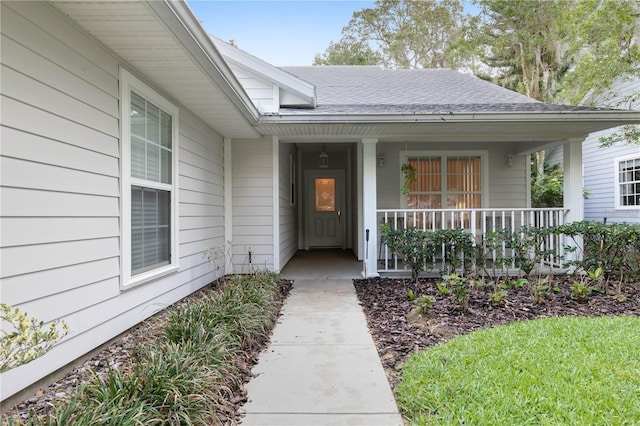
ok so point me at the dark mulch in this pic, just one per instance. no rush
(386, 305)
(122, 353)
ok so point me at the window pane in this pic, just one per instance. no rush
(138, 112)
(165, 129)
(325, 190)
(138, 162)
(150, 229)
(153, 123)
(165, 166)
(153, 162)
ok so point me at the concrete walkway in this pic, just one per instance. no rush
(321, 367)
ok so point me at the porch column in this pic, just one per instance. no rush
(369, 206)
(573, 186)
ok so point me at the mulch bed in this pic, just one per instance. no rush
(386, 305)
(122, 353)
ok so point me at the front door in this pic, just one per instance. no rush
(325, 208)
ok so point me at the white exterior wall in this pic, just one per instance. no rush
(263, 94)
(60, 209)
(599, 163)
(507, 186)
(288, 212)
(252, 171)
(599, 179)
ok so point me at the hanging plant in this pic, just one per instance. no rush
(410, 177)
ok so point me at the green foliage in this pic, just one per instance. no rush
(410, 177)
(183, 376)
(411, 296)
(498, 298)
(425, 304)
(457, 287)
(24, 339)
(544, 371)
(539, 289)
(348, 51)
(416, 247)
(459, 248)
(615, 248)
(547, 189)
(600, 40)
(400, 34)
(580, 291)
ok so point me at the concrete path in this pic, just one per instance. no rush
(321, 367)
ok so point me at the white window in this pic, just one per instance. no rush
(627, 172)
(446, 181)
(149, 195)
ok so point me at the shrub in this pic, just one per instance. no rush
(25, 339)
(185, 375)
(416, 247)
(615, 248)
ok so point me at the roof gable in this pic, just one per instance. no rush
(292, 91)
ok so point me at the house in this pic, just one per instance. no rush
(132, 142)
(611, 174)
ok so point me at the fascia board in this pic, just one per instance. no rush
(184, 25)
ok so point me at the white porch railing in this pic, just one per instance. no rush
(478, 222)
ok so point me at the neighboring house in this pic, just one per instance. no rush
(611, 174)
(131, 143)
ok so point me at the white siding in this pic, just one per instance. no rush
(263, 94)
(252, 204)
(60, 214)
(288, 212)
(598, 163)
(599, 180)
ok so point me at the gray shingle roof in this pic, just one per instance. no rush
(373, 90)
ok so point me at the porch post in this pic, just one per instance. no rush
(369, 206)
(573, 186)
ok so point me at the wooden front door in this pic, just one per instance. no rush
(325, 208)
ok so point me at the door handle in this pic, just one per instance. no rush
(339, 213)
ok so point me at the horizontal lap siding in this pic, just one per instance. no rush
(252, 204)
(60, 210)
(288, 213)
(599, 180)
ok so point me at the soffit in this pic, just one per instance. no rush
(187, 73)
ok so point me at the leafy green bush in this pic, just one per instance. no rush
(416, 247)
(23, 339)
(615, 248)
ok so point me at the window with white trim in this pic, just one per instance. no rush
(628, 182)
(446, 182)
(149, 147)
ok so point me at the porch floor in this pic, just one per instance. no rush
(323, 264)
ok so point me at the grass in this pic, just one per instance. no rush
(185, 375)
(553, 371)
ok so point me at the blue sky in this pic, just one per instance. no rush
(285, 32)
(279, 32)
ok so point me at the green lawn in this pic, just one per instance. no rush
(553, 371)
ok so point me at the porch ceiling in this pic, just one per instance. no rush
(164, 41)
(531, 130)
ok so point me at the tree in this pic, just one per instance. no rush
(348, 52)
(400, 34)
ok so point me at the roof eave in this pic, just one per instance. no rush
(184, 25)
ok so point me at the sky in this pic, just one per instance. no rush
(279, 32)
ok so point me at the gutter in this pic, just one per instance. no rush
(180, 20)
(623, 117)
